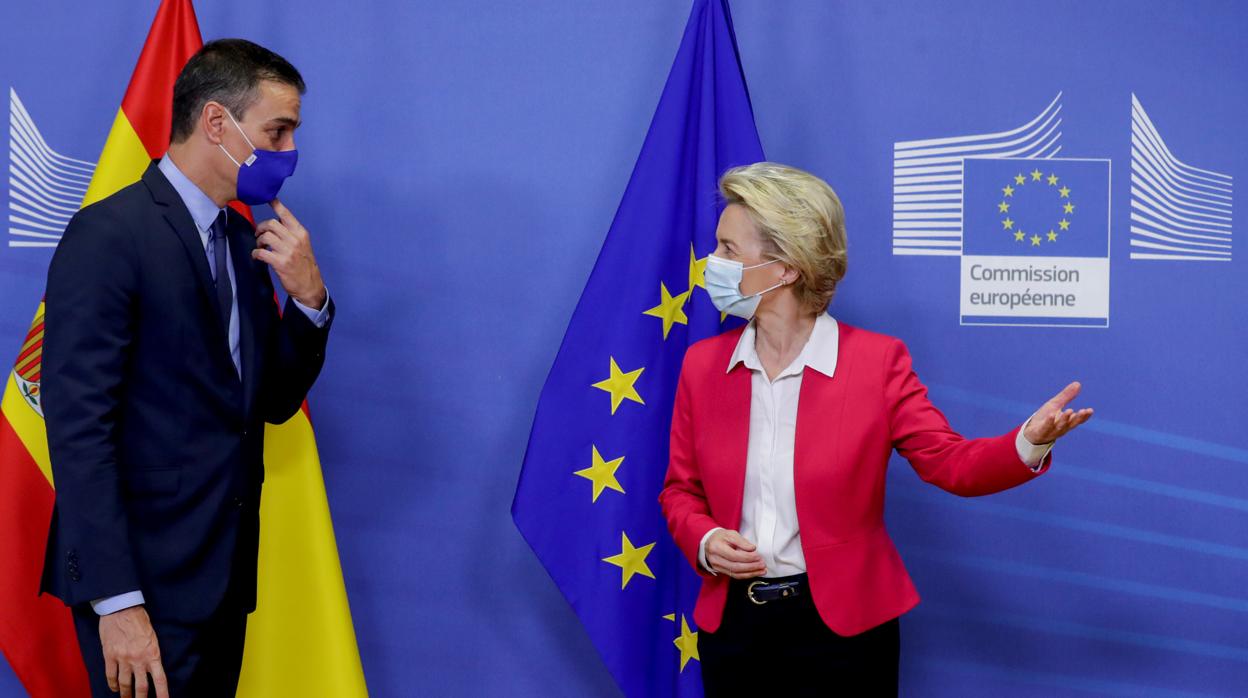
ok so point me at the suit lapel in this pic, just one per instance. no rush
(732, 422)
(179, 219)
(820, 404)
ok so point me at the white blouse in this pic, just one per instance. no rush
(769, 507)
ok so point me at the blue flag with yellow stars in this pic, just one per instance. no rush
(1055, 207)
(587, 500)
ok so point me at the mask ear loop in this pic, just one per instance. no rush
(756, 266)
(766, 290)
(251, 158)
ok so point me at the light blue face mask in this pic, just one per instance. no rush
(723, 283)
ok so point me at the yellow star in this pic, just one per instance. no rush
(602, 474)
(1019, 235)
(722, 316)
(620, 385)
(1068, 208)
(1007, 223)
(1019, 179)
(1064, 191)
(631, 560)
(1007, 190)
(697, 270)
(1052, 180)
(1003, 207)
(671, 309)
(1035, 240)
(1052, 236)
(1064, 224)
(687, 643)
(1035, 175)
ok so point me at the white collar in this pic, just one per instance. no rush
(819, 353)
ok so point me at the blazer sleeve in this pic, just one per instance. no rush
(294, 357)
(683, 498)
(940, 455)
(89, 328)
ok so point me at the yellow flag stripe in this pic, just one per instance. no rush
(121, 164)
(28, 425)
(302, 597)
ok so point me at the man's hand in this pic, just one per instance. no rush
(728, 552)
(283, 244)
(131, 653)
(1050, 422)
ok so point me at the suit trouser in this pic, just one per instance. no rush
(783, 648)
(199, 659)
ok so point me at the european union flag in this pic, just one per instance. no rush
(587, 500)
(1055, 207)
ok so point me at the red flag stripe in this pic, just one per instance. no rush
(173, 39)
(30, 355)
(36, 632)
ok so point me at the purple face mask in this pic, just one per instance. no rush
(261, 175)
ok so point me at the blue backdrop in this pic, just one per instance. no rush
(461, 163)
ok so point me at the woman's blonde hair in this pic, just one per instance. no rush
(801, 222)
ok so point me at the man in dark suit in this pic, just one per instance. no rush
(164, 356)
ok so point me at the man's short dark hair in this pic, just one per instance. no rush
(226, 71)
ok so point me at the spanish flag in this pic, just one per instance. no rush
(300, 640)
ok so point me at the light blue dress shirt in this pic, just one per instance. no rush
(203, 211)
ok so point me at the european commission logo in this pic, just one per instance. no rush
(1035, 245)
(1179, 212)
(1032, 228)
(46, 188)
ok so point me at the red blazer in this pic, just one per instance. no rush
(847, 427)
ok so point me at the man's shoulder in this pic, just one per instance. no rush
(112, 218)
(119, 205)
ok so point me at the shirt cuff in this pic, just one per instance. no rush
(120, 602)
(702, 551)
(318, 317)
(1032, 455)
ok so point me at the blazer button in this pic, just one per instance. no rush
(238, 502)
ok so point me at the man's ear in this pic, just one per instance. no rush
(212, 121)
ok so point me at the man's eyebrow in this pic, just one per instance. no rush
(285, 121)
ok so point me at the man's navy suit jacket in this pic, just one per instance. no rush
(156, 444)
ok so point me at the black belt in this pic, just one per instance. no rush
(761, 591)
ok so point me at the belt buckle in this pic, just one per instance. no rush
(749, 592)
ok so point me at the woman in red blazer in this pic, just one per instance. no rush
(777, 501)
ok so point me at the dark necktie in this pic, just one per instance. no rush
(225, 297)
